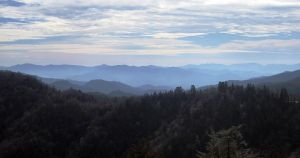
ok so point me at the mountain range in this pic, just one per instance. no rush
(139, 76)
(110, 88)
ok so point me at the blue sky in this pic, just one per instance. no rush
(155, 32)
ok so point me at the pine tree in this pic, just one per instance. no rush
(193, 90)
(227, 144)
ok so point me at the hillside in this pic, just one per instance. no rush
(41, 122)
(278, 78)
(293, 85)
(108, 87)
(289, 80)
(64, 85)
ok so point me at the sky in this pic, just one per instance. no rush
(149, 32)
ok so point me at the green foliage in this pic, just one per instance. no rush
(227, 144)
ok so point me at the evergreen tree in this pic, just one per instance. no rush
(193, 90)
(227, 144)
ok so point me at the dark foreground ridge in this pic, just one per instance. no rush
(37, 121)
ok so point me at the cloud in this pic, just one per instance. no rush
(175, 35)
(11, 3)
(267, 46)
(149, 27)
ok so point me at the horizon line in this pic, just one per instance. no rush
(148, 65)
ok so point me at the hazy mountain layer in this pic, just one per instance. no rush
(199, 75)
(111, 88)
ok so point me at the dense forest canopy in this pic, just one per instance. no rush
(38, 121)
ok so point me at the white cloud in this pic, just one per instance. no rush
(181, 3)
(270, 45)
(175, 35)
(157, 18)
(105, 27)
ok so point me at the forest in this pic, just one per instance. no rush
(226, 121)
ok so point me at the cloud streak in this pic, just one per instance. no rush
(150, 27)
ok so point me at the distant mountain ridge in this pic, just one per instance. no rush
(111, 88)
(250, 67)
(199, 75)
(50, 71)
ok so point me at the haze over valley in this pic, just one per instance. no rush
(185, 76)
